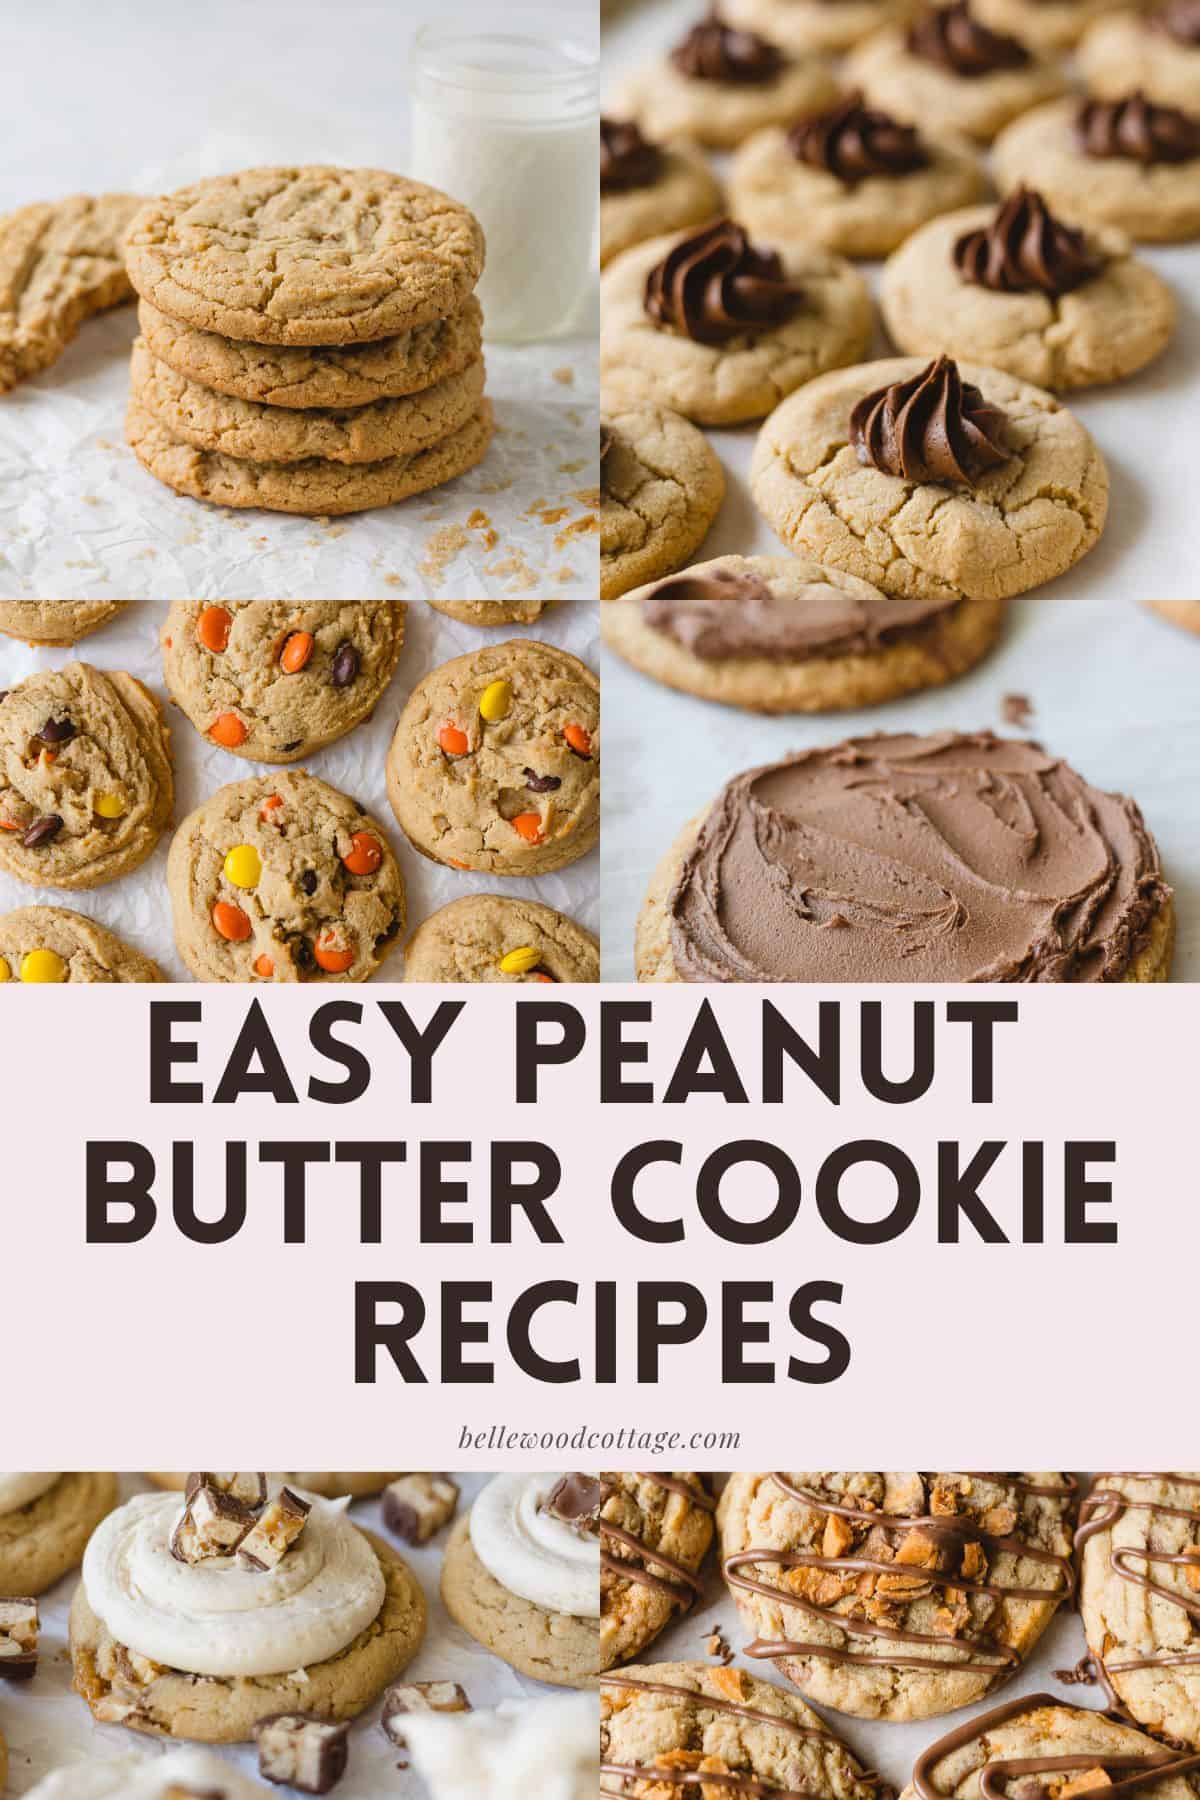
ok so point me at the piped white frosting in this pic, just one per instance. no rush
(532, 1553)
(544, 1747)
(147, 1778)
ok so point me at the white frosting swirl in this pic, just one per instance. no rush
(543, 1747)
(217, 1618)
(531, 1553)
(18, 1490)
(148, 1778)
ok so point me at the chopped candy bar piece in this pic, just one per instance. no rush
(418, 1505)
(19, 1627)
(576, 1501)
(250, 1489)
(211, 1524)
(408, 1697)
(307, 1752)
(276, 1531)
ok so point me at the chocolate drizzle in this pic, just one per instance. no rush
(1025, 249)
(714, 51)
(1180, 19)
(627, 159)
(852, 141)
(714, 285)
(933, 427)
(678, 1583)
(1138, 130)
(952, 39)
(1103, 1509)
(950, 1544)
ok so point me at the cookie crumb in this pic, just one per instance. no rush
(717, 1645)
(442, 547)
(1017, 709)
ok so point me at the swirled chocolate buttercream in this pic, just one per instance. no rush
(954, 857)
(955, 41)
(715, 285)
(723, 614)
(853, 141)
(933, 427)
(627, 159)
(1137, 129)
(1025, 249)
(714, 51)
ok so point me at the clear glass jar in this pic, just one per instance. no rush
(506, 119)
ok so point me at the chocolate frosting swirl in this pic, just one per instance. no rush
(715, 285)
(1137, 129)
(714, 51)
(853, 141)
(1180, 20)
(957, 42)
(1025, 249)
(933, 427)
(953, 857)
(627, 159)
(696, 611)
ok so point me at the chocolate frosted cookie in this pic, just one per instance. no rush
(495, 764)
(488, 937)
(1156, 51)
(1047, 1749)
(896, 1595)
(274, 680)
(648, 188)
(56, 621)
(655, 1532)
(892, 858)
(782, 634)
(1139, 1596)
(282, 878)
(48, 944)
(490, 612)
(86, 783)
(666, 1727)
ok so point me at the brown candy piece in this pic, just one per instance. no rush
(276, 1531)
(19, 1628)
(212, 1524)
(416, 1506)
(304, 1751)
(407, 1697)
(250, 1489)
(576, 1501)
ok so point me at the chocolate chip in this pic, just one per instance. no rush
(346, 665)
(302, 954)
(4, 695)
(541, 784)
(42, 831)
(308, 882)
(295, 744)
(57, 731)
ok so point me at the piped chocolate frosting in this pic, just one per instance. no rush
(715, 51)
(715, 285)
(1025, 249)
(1138, 130)
(953, 857)
(853, 141)
(933, 427)
(627, 159)
(953, 39)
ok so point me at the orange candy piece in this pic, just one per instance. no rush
(231, 922)
(334, 957)
(270, 807)
(529, 826)
(213, 628)
(228, 731)
(297, 652)
(579, 740)
(11, 825)
(264, 966)
(450, 739)
(364, 855)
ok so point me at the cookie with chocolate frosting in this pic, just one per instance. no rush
(949, 72)
(719, 83)
(851, 178)
(655, 1532)
(888, 858)
(1036, 1747)
(896, 1594)
(1139, 1597)
(782, 634)
(731, 1732)
(648, 188)
(1016, 287)
(1156, 51)
(1129, 163)
(932, 480)
(661, 487)
(719, 325)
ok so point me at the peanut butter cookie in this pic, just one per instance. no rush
(60, 262)
(719, 84)
(661, 487)
(488, 937)
(647, 189)
(56, 622)
(655, 1532)
(1156, 52)
(42, 1541)
(48, 944)
(490, 612)
(550, 1646)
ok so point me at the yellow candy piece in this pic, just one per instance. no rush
(243, 866)
(43, 966)
(111, 806)
(520, 962)
(5, 971)
(495, 701)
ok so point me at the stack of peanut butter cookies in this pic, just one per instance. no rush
(311, 341)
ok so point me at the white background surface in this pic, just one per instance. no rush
(1146, 427)
(137, 908)
(1113, 689)
(50, 1727)
(145, 97)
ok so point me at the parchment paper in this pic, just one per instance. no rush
(142, 99)
(1145, 426)
(137, 908)
(48, 1726)
(1113, 689)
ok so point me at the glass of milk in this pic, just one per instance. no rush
(505, 118)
